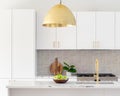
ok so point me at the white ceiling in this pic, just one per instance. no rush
(42, 6)
(75, 5)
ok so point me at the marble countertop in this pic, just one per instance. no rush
(49, 83)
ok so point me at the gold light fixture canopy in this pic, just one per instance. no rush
(59, 16)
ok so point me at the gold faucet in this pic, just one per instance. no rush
(96, 71)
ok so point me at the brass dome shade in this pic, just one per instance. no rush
(59, 16)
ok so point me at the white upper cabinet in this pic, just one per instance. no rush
(23, 43)
(55, 38)
(105, 30)
(45, 35)
(46, 38)
(66, 37)
(5, 43)
(117, 30)
(95, 30)
(85, 30)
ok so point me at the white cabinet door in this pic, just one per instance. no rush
(23, 44)
(66, 38)
(3, 89)
(85, 30)
(117, 30)
(55, 38)
(105, 30)
(5, 43)
(46, 37)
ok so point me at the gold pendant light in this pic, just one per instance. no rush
(59, 16)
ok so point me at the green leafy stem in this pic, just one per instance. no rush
(69, 68)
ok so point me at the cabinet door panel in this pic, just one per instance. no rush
(23, 44)
(66, 38)
(117, 32)
(85, 30)
(3, 89)
(105, 30)
(45, 35)
(5, 44)
(46, 39)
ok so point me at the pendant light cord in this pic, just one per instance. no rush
(60, 1)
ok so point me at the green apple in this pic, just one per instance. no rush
(60, 77)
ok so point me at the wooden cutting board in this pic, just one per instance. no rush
(56, 67)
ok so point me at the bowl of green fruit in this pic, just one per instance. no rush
(59, 78)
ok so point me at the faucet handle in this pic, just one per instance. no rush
(96, 80)
(95, 76)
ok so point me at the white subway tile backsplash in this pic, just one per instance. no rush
(84, 60)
